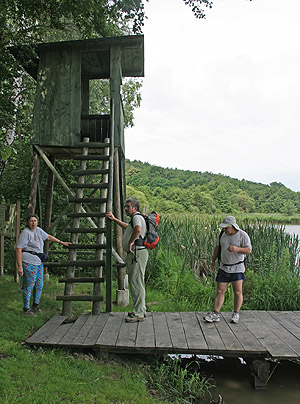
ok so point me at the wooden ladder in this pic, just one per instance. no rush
(88, 231)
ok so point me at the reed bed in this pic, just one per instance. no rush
(180, 267)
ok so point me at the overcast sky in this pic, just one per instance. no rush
(222, 94)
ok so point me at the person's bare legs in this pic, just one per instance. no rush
(238, 294)
(219, 299)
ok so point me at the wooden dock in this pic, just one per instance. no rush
(261, 334)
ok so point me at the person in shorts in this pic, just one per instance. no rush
(232, 247)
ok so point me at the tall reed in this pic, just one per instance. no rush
(181, 265)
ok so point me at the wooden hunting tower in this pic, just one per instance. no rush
(64, 129)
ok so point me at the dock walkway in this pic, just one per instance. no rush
(266, 334)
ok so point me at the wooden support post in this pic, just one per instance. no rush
(260, 371)
(18, 214)
(48, 207)
(34, 182)
(100, 237)
(118, 214)
(1, 255)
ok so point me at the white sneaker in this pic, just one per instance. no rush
(235, 317)
(212, 317)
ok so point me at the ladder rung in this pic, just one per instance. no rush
(81, 280)
(99, 185)
(82, 298)
(79, 252)
(90, 172)
(119, 265)
(87, 200)
(92, 145)
(91, 157)
(88, 246)
(86, 230)
(81, 263)
(86, 214)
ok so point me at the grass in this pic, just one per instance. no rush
(54, 376)
(51, 376)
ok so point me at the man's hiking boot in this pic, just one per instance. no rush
(131, 314)
(235, 317)
(212, 317)
(29, 312)
(134, 319)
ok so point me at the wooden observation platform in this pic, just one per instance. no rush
(71, 78)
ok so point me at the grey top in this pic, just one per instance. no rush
(239, 239)
(137, 220)
(32, 240)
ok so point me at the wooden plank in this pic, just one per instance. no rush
(58, 334)
(110, 332)
(211, 335)
(249, 342)
(285, 335)
(229, 338)
(288, 319)
(145, 333)
(47, 329)
(127, 335)
(176, 331)
(74, 330)
(85, 330)
(193, 332)
(96, 330)
(273, 344)
(161, 331)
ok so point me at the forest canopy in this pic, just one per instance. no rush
(174, 190)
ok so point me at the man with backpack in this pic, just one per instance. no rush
(136, 258)
(232, 247)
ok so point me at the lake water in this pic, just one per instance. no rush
(293, 229)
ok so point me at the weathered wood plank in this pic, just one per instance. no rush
(58, 334)
(161, 331)
(74, 330)
(127, 335)
(285, 335)
(110, 332)
(96, 330)
(176, 331)
(273, 344)
(83, 333)
(211, 335)
(228, 337)
(288, 319)
(248, 341)
(145, 334)
(193, 332)
(47, 329)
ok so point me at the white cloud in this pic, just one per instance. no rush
(221, 87)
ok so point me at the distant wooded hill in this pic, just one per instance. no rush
(173, 190)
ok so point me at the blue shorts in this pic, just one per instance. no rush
(223, 276)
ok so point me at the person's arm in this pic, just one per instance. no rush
(240, 250)
(135, 235)
(19, 261)
(110, 216)
(214, 257)
(56, 240)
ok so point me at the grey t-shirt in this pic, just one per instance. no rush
(239, 239)
(137, 220)
(32, 240)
